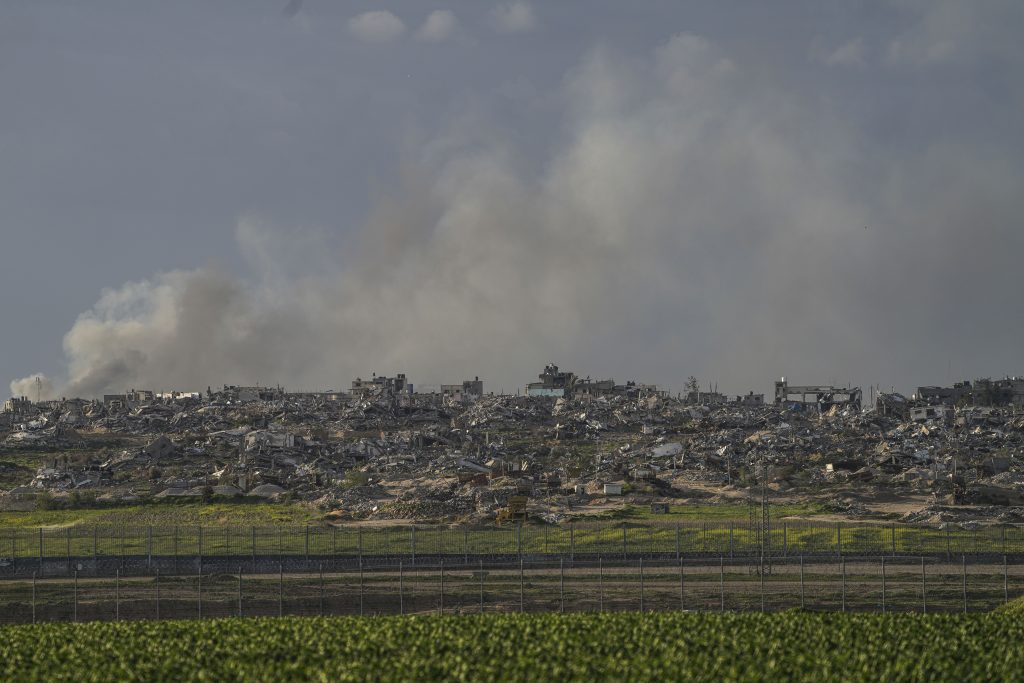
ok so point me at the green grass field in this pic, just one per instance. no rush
(789, 646)
(168, 513)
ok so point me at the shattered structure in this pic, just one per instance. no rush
(824, 397)
(384, 452)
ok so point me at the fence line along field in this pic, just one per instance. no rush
(579, 647)
(728, 538)
(847, 584)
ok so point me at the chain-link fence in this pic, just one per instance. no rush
(101, 551)
(878, 584)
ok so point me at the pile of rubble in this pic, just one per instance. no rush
(462, 459)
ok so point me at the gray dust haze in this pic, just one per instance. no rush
(690, 209)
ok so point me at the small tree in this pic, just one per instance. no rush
(691, 385)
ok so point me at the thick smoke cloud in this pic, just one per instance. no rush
(35, 386)
(694, 219)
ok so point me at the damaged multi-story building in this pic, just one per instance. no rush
(469, 390)
(985, 392)
(553, 382)
(823, 397)
(563, 384)
(380, 385)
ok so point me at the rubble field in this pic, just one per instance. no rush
(387, 459)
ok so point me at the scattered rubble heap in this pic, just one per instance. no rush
(399, 455)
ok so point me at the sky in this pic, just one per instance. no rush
(300, 192)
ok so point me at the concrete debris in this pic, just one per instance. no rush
(382, 451)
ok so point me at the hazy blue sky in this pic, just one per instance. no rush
(194, 193)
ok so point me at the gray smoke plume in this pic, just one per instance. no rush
(35, 387)
(696, 218)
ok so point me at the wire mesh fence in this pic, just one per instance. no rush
(849, 583)
(102, 550)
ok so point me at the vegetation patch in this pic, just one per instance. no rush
(792, 646)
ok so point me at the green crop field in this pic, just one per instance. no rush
(789, 646)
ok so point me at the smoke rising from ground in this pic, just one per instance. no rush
(695, 218)
(35, 386)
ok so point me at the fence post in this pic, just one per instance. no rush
(641, 585)
(481, 586)
(360, 541)
(842, 565)
(893, 533)
(465, 544)
(561, 585)
(149, 547)
(117, 595)
(412, 544)
(441, 605)
(360, 587)
(785, 539)
(199, 592)
(600, 583)
(572, 542)
(33, 597)
(883, 584)
(1002, 538)
(307, 546)
(801, 581)
(839, 539)
(682, 603)
(721, 583)
(401, 588)
(519, 538)
(158, 595)
(761, 572)
(1006, 592)
(280, 589)
(41, 550)
(730, 541)
(963, 564)
(252, 545)
(521, 600)
(200, 550)
(321, 589)
(67, 546)
(175, 548)
(76, 595)
(623, 540)
(948, 556)
(924, 589)
(677, 540)
(239, 591)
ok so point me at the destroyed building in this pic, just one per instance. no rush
(750, 400)
(1008, 391)
(706, 398)
(822, 397)
(379, 385)
(562, 384)
(17, 406)
(469, 390)
(553, 382)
